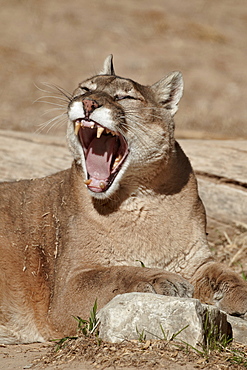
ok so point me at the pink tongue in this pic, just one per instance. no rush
(99, 157)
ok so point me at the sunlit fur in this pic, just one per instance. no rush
(62, 246)
(143, 121)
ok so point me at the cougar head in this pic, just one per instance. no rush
(121, 132)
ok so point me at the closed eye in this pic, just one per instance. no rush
(84, 88)
(121, 97)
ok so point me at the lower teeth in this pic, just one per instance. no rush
(116, 163)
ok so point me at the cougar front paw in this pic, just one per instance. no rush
(218, 285)
(232, 299)
(166, 284)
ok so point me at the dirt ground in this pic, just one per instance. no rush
(87, 354)
(28, 356)
(62, 42)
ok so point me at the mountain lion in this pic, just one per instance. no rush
(130, 196)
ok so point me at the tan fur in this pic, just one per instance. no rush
(63, 245)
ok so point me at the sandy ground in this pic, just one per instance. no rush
(16, 357)
(63, 42)
(87, 354)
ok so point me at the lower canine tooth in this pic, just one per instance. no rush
(100, 130)
(117, 160)
(88, 182)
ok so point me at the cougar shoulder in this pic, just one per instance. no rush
(129, 198)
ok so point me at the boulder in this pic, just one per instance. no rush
(239, 329)
(153, 316)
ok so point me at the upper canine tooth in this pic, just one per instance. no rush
(77, 127)
(100, 130)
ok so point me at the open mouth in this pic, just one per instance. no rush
(104, 152)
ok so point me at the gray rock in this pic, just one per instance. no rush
(239, 328)
(152, 316)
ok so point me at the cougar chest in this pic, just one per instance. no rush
(135, 233)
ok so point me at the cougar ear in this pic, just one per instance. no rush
(108, 68)
(169, 91)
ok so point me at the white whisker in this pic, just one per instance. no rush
(59, 99)
(134, 112)
(50, 103)
(57, 89)
(51, 110)
(144, 141)
(51, 97)
(62, 118)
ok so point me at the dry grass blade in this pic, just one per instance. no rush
(154, 354)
